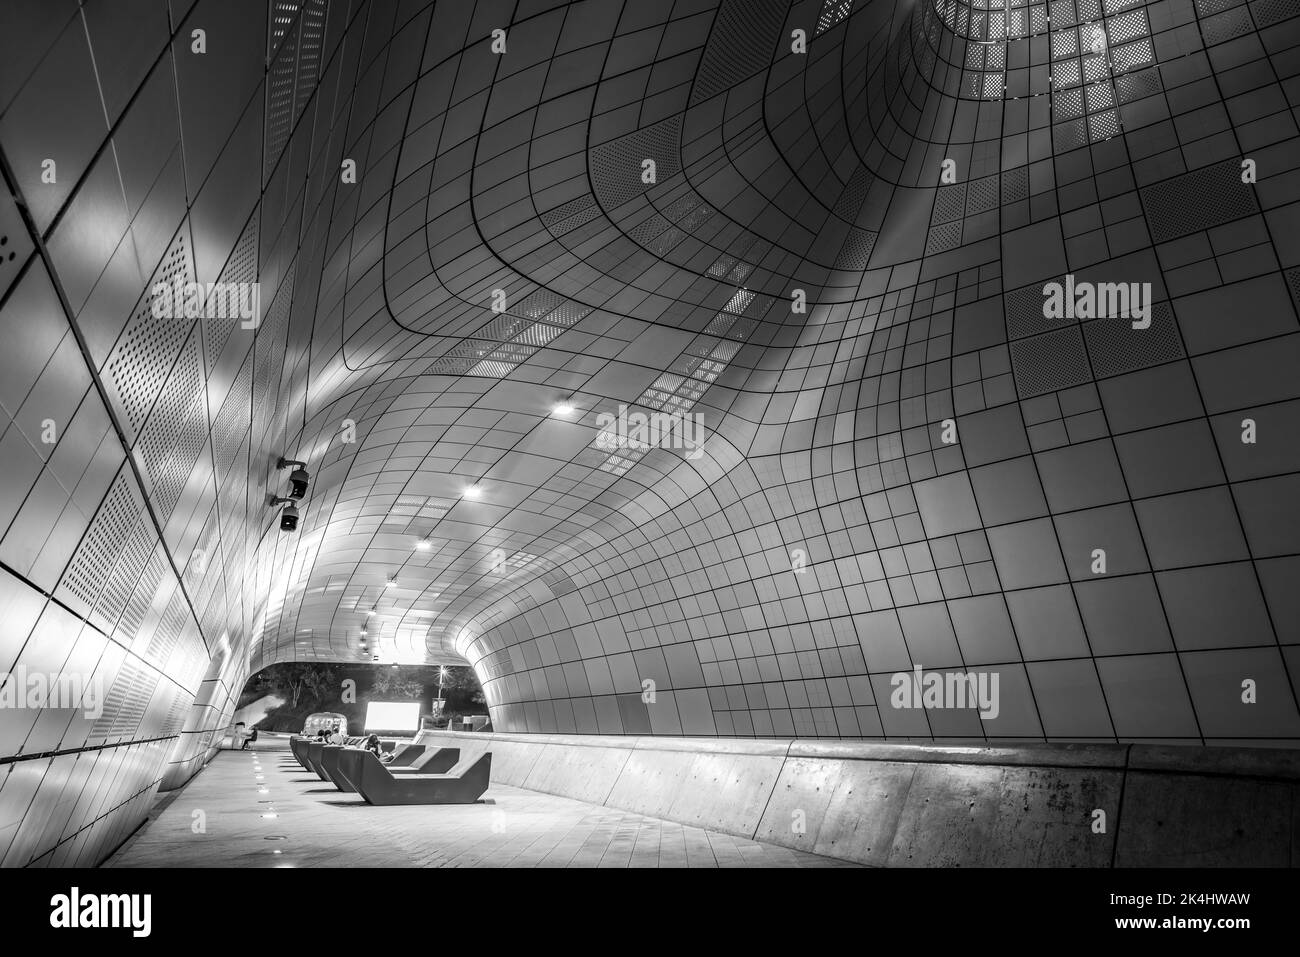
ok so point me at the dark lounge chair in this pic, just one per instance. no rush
(298, 747)
(465, 783)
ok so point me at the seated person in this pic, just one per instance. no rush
(252, 737)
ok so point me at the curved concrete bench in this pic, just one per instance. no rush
(313, 759)
(465, 784)
(329, 762)
(405, 754)
(933, 805)
(298, 748)
(333, 757)
(433, 761)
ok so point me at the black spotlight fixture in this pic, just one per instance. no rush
(298, 478)
(288, 517)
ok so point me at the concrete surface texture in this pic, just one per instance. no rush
(934, 806)
(317, 825)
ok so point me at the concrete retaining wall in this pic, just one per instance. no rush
(930, 805)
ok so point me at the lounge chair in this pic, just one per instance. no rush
(464, 784)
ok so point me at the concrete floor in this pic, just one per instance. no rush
(220, 819)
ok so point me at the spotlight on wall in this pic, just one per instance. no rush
(288, 517)
(298, 478)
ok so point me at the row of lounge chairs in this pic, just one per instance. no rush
(416, 775)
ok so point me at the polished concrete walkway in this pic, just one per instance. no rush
(223, 818)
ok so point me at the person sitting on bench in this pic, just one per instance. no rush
(252, 737)
(372, 745)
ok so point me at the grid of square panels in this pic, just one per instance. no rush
(915, 467)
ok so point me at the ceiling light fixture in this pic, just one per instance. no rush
(563, 408)
(392, 581)
(423, 545)
(472, 491)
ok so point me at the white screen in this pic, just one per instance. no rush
(393, 716)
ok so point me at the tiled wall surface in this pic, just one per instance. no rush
(916, 470)
(134, 449)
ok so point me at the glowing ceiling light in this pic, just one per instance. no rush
(392, 581)
(563, 408)
(472, 491)
(423, 545)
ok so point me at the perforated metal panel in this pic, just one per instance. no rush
(856, 249)
(949, 201)
(744, 37)
(168, 633)
(142, 596)
(93, 561)
(571, 215)
(125, 703)
(170, 441)
(1049, 362)
(941, 238)
(982, 195)
(241, 267)
(135, 553)
(174, 720)
(1198, 200)
(142, 359)
(1024, 311)
(1116, 347)
(616, 165)
(1269, 12)
(1015, 185)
